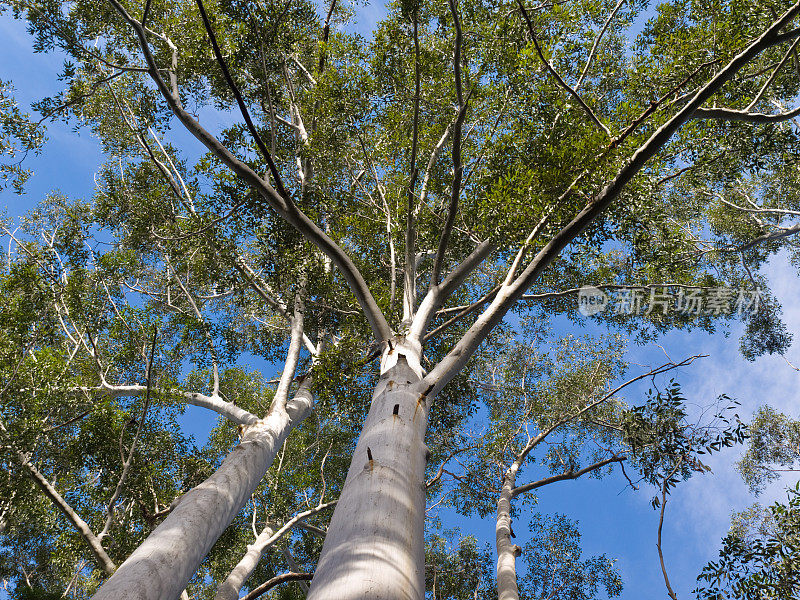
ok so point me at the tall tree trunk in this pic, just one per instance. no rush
(163, 564)
(374, 547)
(507, 551)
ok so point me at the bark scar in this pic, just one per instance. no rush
(424, 395)
(410, 350)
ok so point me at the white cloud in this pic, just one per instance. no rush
(706, 501)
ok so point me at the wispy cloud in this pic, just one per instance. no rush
(701, 508)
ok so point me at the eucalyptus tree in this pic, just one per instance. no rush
(758, 558)
(555, 568)
(398, 198)
(550, 409)
(78, 359)
(93, 347)
(772, 450)
(556, 414)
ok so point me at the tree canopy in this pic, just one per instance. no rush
(400, 225)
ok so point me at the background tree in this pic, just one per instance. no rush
(758, 558)
(773, 448)
(19, 136)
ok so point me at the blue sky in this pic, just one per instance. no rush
(613, 519)
(69, 162)
(619, 522)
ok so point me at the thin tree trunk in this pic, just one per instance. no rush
(507, 551)
(230, 588)
(160, 568)
(374, 547)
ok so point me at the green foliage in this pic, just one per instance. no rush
(774, 442)
(19, 136)
(666, 447)
(174, 240)
(555, 568)
(760, 562)
(528, 385)
(27, 593)
(457, 568)
(765, 333)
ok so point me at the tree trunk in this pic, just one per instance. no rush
(163, 564)
(507, 552)
(230, 588)
(374, 547)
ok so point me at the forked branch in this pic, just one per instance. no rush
(279, 202)
(508, 295)
(458, 167)
(571, 91)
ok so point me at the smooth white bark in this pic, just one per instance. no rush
(160, 568)
(214, 402)
(374, 547)
(230, 588)
(507, 551)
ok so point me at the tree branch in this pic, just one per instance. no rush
(438, 295)
(660, 526)
(240, 101)
(409, 268)
(773, 77)
(282, 205)
(94, 543)
(230, 588)
(126, 465)
(458, 168)
(293, 355)
(729, 114)
(508, 295)
(271, 583)
(216, 403)
(570, 474)
(589, 112)
(596, 43)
